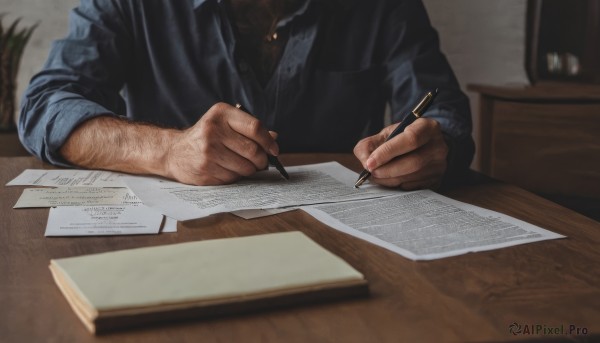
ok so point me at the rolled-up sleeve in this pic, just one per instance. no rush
(81, 80)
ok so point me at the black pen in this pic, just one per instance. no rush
(273, 160)
(408, 119)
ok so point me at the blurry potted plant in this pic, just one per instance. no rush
(12, 45)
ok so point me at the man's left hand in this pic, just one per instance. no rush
(415, 158)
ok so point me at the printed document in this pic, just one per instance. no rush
(68, 177)
(309, 184)
(103, 220)
(424, 225)
(84, 196)
(75, 196)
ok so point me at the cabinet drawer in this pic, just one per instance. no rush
(549, 148)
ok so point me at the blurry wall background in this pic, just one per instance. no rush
(483, 40)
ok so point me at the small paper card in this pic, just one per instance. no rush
(102, 220)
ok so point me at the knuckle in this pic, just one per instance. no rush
(209, 124)
(254, 126)
(435, 124)
(386, 150)
(359, 145)
(214, 114)
(219, 107)
(411, 138)
(386, 131)
(209, 128)
(253, 150)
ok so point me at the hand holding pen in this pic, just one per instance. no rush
(225, 145)
(273, 160)
(410, 155)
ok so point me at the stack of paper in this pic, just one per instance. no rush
(89, 203)
(419, 225)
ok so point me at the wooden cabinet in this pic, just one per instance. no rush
(544, 138)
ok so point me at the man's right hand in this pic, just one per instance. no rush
(224, 145)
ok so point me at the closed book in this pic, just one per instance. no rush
(135, 287)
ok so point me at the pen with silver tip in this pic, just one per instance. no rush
(408, 119)
(273, 160)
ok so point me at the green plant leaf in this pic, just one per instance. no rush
(12, 46)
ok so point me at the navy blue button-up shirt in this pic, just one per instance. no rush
(167, 62)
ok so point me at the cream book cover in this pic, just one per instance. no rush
(205, 278)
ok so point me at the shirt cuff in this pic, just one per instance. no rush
(66, 117)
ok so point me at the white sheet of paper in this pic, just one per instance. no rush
(424, 225)
(309, 184)
(68, 177)
(102, 220)
(75, 196)
(170, 225)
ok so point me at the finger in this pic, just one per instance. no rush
(209, 173)
(433, 172)
(274, 134)
(249, 155)
(432, 153)
(364, 148)
(248, 126)
(414, 136)
(214, 158)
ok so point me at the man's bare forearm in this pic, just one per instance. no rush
(116, 144)
(223, 146)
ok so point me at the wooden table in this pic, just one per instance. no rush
(473, 297)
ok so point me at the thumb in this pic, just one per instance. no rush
(366, 146)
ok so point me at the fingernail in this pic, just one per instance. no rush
(370, 164)
(274, 149)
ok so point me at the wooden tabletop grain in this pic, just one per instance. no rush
(473, 297)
